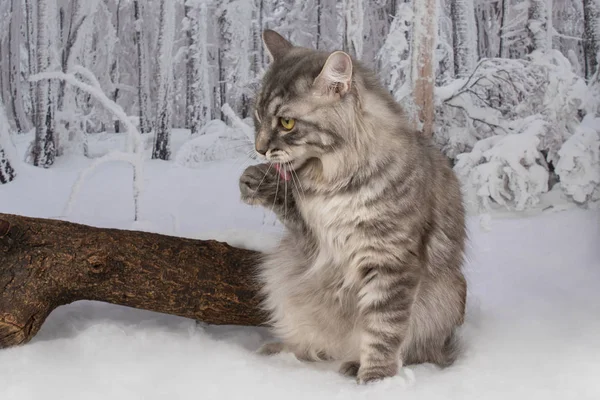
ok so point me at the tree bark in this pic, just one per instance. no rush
(7, 172)
(166, 35)
(48, 263)
(14, 65)
(591, 13)
(423, 53)
(44, 150)
(538, 26)
(142, 68)
(465, 36)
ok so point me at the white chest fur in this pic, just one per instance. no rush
(333, 220)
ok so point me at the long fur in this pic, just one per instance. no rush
(369, 269)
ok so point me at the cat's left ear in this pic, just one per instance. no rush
(336, 75)
(276, 44)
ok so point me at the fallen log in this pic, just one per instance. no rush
(47, 263)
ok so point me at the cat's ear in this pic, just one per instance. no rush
(336, 75)
(276, 44)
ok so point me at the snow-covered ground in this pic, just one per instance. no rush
(532, 330)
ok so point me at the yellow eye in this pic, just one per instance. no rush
(287, 123)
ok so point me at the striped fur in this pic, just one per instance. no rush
(368, 272)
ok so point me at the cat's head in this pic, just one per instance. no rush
(306, 106)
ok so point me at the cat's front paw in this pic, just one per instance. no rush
(272, 348)
(350, 368)
(373, 373)
(256, 185)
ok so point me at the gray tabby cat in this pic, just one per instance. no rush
(369, 269)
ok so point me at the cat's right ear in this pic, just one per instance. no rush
(336, 75)
(276, 44)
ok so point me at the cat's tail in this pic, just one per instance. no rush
(440, 352)
(451, 350)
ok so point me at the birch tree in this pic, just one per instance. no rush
(327, 37)
(114, 68)
(43, 150)
(422, 62)
(234, 61)
(465, 36)
(539, 26)
(394, 55)
(198, 72)
(30, 27)
(352, 24)
(14, 61)
(591, 14)
(7, 172)
(166, 35)
(143, 73)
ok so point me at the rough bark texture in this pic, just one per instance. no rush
(7, 172)
(48, 263)
(14, 65)
(143, 69)
(423, 53)
(537, 26)
(166, 34)
(464, 36)
(44, 150)
(591, 13)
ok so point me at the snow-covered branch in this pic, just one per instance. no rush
(95, 91)
(134, 156)
(237, 122)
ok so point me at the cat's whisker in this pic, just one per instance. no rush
(244, 161)
(295, 183)
(285, 196)
(261, 182)
(298, 185)
(275, 199)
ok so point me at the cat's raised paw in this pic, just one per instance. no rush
(256, 185)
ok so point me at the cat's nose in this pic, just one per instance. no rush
(261, 151)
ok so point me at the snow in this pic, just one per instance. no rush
(505, 170)
(215, 141)
(531, 330)
(579, 163)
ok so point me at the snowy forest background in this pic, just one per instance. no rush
(516, 101)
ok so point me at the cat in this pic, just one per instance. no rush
(368, 272)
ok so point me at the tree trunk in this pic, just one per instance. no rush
(14, 62)
(44, 151)
(591, 22)
(143, 71)
(423, 71)
(198, 94)
(465, 36)
(7, 172)
(504, 12)
(48, 263)
(189, 72)
(30, 12)
(538, 26)
(114, 68)
(166, 35)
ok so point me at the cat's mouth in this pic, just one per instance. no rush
(284, 170)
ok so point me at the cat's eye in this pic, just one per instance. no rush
(287, 123)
